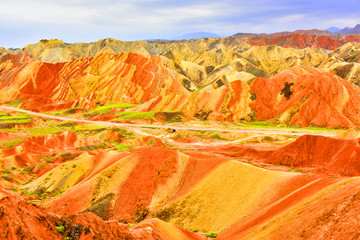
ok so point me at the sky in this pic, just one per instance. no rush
(27, 21)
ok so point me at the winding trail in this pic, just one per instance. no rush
(112, 124)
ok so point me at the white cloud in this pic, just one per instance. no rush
(289, 18)
(89, 20)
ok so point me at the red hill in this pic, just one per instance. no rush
(297, 40)
(305, 96)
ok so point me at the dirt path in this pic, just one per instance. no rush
(112, 124)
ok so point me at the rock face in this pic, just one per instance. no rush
(305, 96)
(22, 220)
(106, 78)
(297, 41)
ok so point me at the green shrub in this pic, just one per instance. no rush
(217, 136)
(211, 235)
(122, 147)
(6, 176)
(140, 214)
(60, 229)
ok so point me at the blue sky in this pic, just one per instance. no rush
(28, 21)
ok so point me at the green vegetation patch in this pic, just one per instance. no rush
(135, 115)
(4, 114)
(60, 229)
(211, 235)
(217, 136)
(11, 143)
(65, 111)
(140, 214)
(122, 147)
(257, 38)
(8, 121)
(284, 42)
(269, 124)
(107, 108)
(44, 130)
(15, 102)
(14, 117)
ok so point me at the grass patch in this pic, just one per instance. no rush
(84, 130)
(217, 136)
(64, 112)
(14, 117)
(107, 108)
(135, 115)
(15, 102)
(44, 130)
(270, 125)
(257, 38)
(284, 42)
(8, 121)
(6, 176)
(295, 170)
(4, 114)
(122, 147)
(11, 143)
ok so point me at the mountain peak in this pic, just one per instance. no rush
(333, 29)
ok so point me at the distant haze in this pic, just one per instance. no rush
(27, 21)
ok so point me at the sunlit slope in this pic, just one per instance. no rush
(331, 213)
(226, 195)
(165, 183)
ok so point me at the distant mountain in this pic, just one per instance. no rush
(197, 35)
(333, 29)
(286, 33)
(349, 31)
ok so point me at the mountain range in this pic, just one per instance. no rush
(241, 137)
